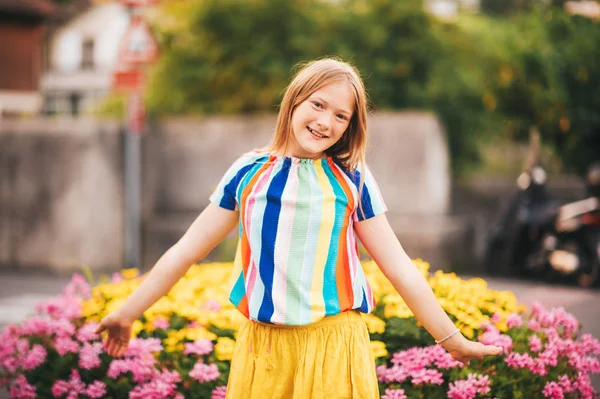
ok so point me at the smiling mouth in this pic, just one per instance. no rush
(316, 134)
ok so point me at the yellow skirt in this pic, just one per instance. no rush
(330, 359)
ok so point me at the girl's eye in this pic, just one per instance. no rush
(342, 117)
(317, 104)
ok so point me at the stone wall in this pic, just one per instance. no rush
(61, 189)
(61, 185)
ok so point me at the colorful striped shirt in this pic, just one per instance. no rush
(297, 256)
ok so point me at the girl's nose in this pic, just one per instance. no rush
(324, 122)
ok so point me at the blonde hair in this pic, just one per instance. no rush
(312, 76)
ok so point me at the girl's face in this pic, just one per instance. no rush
(320, 121)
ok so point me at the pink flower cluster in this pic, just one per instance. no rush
(68, 305)
(161, 385)
(550, 345)
(204, 372)
(551, 342)
(21, 389)
(199, 347)
(75, 387)
(394, 394)
(469, 388)
(219, 392)
(413, 363)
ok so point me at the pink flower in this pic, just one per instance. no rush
(199, 347)
(212, 305)
(469, 388)
(219, 392)
(161, 322)
(21, 389)
(66, 345)
(394, 394)
(204, 372)
(143, 348)
(496, 317)
(589, 344)
(95, 390)
(517, 360)
(33, 358)
(412, 363)
(161, 385)
(142, 369)
(73, 388)
(566, 384)
(553, 391)
(584, 386)
(116, 278)
(59, 388)
(35, 326)
(535, 343)
(87, 332)
(514, 320)
(492, 336)
(89, 357)
(78, 286)
(549, 356)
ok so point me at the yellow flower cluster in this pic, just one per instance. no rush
(193, 298)
(201, 296)
(469, 302)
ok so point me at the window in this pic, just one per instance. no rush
(87, 55)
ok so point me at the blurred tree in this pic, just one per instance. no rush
(506, 7)
(545, 75)
(483, 76)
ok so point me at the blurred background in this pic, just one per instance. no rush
(97, 97)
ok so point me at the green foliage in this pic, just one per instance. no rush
(506, 7)
(482, 76)
(544, 73)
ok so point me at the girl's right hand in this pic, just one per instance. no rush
(119, 333)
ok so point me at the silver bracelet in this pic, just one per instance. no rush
(439, 341)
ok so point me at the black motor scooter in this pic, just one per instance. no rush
(571, 246)
(537, 237)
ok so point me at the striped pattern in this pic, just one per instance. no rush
(297, 258)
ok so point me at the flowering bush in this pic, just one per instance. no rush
(183, 344)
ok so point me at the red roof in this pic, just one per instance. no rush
(36, 8)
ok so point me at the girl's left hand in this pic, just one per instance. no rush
(463, 350)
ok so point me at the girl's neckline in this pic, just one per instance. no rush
(299, 160)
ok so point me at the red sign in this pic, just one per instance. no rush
(138, 45)
(139, 3)
(127, 80)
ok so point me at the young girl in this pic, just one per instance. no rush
(299, 206)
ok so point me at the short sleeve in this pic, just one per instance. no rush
(225, 195)
(371, 202)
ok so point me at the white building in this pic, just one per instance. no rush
(450, 8)
(81, 55)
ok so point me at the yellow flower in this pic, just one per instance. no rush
(224, 348)
(378, 349)
(130, 273)
(92, 307)
(196, 333)
(374, 324)
(136, 328)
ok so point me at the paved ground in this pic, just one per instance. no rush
(19, 292)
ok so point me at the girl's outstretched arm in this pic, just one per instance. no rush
(382, 244)
(208, 230)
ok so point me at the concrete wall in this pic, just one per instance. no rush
(61, 185)
(61, 195)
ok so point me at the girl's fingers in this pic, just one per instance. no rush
(121, 350)
(112, 346)
(100, 328)
(491, 350)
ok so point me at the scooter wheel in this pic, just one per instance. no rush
(590, 279)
